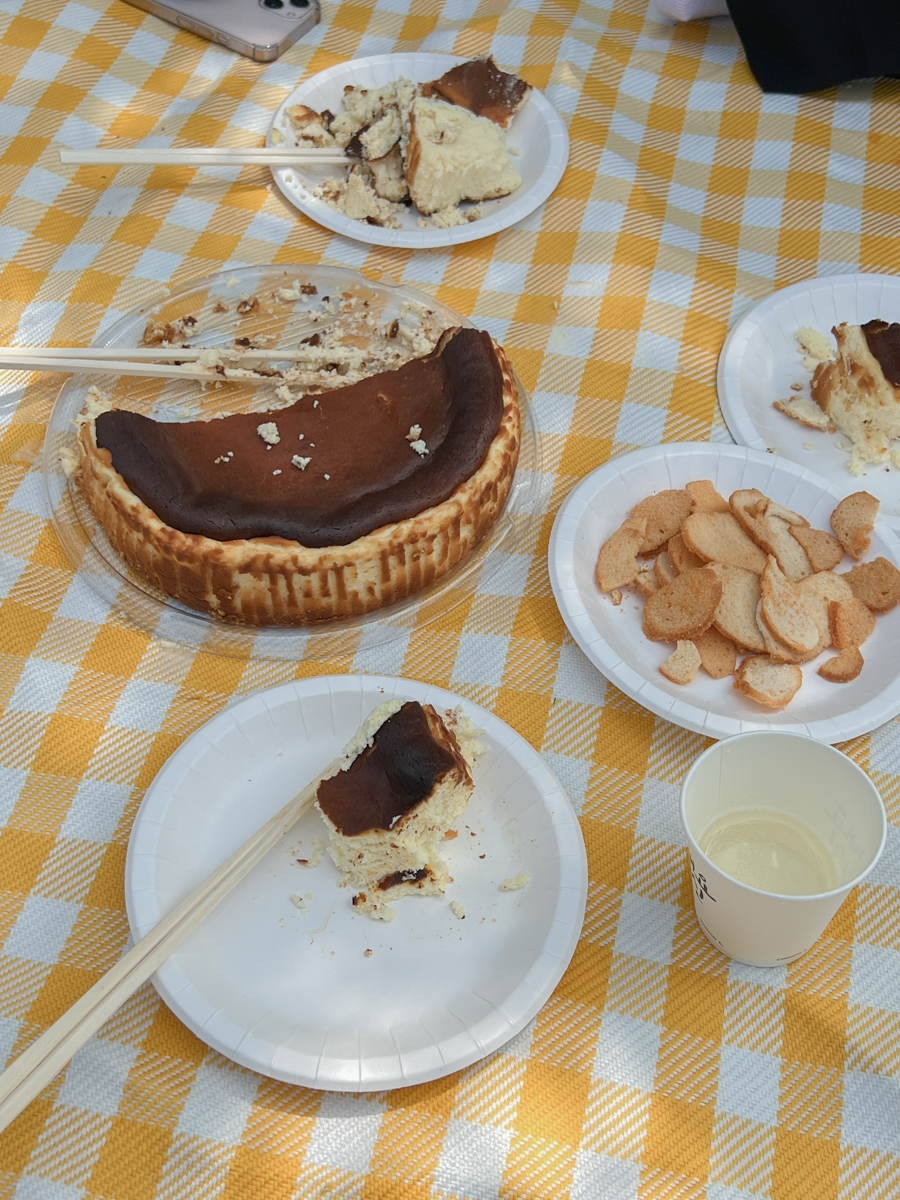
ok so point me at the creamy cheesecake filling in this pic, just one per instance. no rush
(330, 468)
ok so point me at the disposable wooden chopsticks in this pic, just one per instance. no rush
(145, 360)
(46, 1057)
(209, 156)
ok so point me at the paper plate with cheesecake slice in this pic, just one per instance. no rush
(290, 977)
(764, 362)
(476, 152)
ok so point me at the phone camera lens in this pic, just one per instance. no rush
(273, 3)
(300, 3)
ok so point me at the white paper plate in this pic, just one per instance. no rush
(612, 639)
(537, 131)
(760, 360)
(292, 994)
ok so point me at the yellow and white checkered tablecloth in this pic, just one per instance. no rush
(658, 1069)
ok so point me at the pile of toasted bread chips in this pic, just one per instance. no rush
(747, 575)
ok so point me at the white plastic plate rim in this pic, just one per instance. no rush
(760, 360)
(180, 814)
(537, 125)
(612, 637)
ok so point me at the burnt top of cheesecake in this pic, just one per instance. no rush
(482, 88)
(883, 341)
(412, 751)
(244, 476)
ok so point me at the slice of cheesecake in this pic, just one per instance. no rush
(406, 778)
(452, 155)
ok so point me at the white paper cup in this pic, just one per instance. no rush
(804, 779)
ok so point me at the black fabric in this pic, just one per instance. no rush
(806, 45)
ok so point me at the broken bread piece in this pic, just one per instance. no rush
(704, 497)
(823, 551)
(718, 654)
(404, 780)
(683, 608)
(646, 583)
(766, 682)
(817, 592)
(665, 513)
(876, 583)
(781, 652)
(853, 520)
(844, 667)
(770, 526)
(717, 537)
(681, 558)
(735, 617)
(617, 563)
(851, 623)
(683, 664)
(664, 569)
(784, 611)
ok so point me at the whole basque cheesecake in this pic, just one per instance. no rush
(337, 505)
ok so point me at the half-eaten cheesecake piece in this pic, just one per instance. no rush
(405, 779)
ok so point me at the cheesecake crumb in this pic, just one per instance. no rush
(457, 909)
(268, 431)
(516, 882)
(420, 448)
(278, 472)
(302, 463)
(415, 432)
(327, 477)
(367, 953)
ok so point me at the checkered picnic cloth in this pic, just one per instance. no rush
(658, 1069)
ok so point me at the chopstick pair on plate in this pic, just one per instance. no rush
(161, 362)
(209, 156)
(35, 1067)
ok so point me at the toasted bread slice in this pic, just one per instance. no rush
(876, 583)
(784, 611)
(617, 563)
(664, 514)
(665, 572)
(852, 520)
(683, 664)
(823, 551)
(766, 682)
(851, 623)
(817, 593)
(770, 526)
(844, 667)
(717, 537)
(718, 655)
(735, 618)
(681, 558)
(781, 652)
(646, 583)
(683, 608)
(704, 497)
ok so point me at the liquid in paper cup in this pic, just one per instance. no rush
(795, 776)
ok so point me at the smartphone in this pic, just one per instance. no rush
(261, 29)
